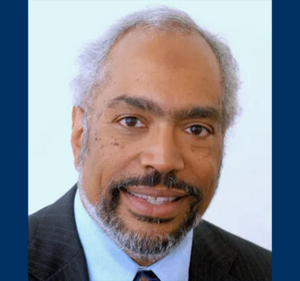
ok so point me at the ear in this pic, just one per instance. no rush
(77, 133)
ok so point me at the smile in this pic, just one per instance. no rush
(154, 200)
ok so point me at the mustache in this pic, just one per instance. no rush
(168, 180)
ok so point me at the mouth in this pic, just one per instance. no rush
(154, 202)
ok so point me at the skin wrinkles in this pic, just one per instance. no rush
(212, 115)
(145, 104)
(167, 96)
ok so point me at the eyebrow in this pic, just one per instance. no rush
(142, 103)
(139, 103)
(197, 112)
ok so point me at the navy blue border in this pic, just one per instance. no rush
(286, 140)
(14, 139)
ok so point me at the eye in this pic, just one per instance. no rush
(131, 121)
(198, 131)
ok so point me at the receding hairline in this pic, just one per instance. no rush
(161, 19)
(148, 33)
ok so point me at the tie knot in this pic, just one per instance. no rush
(146, 276)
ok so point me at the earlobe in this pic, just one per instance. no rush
(77, 133)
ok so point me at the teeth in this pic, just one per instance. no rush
(159, 200)
(153, 200)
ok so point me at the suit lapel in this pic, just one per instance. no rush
(55, 252)
(211, 258)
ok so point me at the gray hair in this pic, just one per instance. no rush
(92, 61)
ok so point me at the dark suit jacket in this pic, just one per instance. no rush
(55, 251)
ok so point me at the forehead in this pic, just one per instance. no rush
(175, 70)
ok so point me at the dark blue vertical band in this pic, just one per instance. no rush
(14, 139)
(286, 140)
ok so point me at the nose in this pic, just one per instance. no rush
(162, 153)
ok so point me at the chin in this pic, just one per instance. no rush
(143, 232)
(144, 240)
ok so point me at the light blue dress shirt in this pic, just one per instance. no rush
(107, 262)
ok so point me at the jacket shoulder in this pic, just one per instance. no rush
(243, 247)
(252, 262)
(33, 222)
(54, 248)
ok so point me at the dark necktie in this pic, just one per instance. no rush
(145, 276)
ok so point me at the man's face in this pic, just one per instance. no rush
(155, 137)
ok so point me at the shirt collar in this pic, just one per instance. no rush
(106, 261)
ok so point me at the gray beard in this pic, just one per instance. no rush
(146, 245)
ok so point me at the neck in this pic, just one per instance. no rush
(141, 261)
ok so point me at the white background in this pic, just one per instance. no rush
(57, 30)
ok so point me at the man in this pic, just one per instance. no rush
(153, 101)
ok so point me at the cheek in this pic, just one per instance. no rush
(101, 158)
(109, 155)
(205, 166)
(206, 160)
